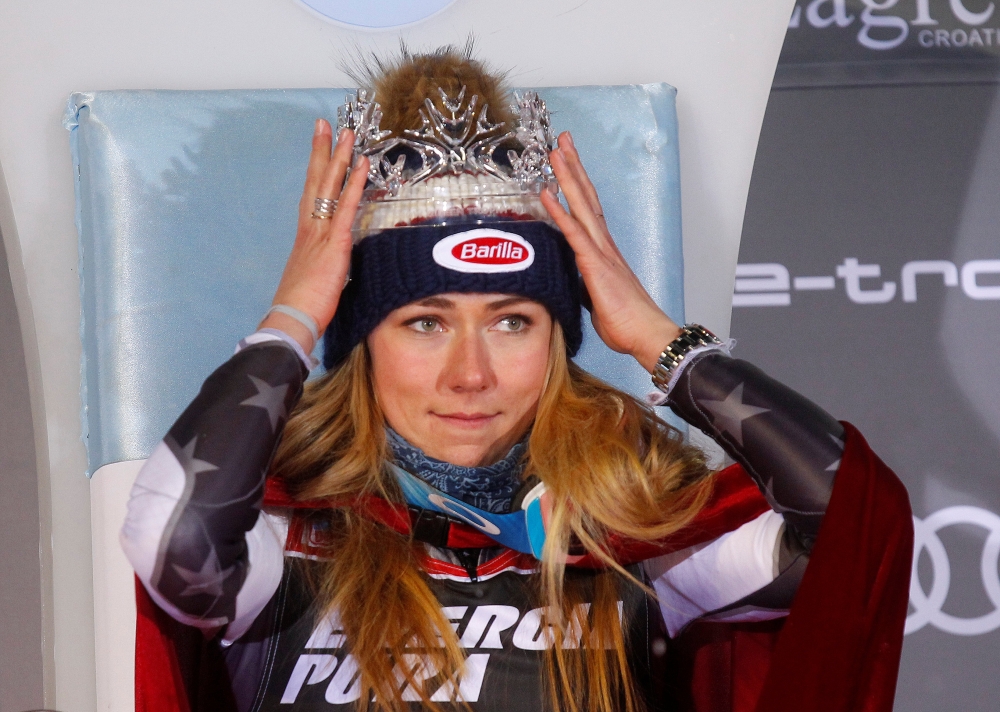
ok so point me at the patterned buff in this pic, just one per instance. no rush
(491, 488)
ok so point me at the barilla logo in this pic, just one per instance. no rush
(484, 251)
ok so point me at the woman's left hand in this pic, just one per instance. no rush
(624, 315)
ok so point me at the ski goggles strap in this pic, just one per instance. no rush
(522, 530)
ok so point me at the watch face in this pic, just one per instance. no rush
(377, 14)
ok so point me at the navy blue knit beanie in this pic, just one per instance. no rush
(398, 266)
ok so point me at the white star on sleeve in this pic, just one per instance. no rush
(729, 414)
(208, 580)
(835, 465)
(270, 398)
(192, 465)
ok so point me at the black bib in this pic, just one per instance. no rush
(291, 662)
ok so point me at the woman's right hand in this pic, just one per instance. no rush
(320, 261)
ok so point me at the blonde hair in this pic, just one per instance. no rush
(611, 466)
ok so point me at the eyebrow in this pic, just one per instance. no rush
(507, 302)
(437, 302)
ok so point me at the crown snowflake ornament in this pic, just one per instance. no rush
(459, 172)
(534, 132)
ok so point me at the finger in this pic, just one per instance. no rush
(556, 210)
(336, 170)
(578, 238)
(588, 256)
(579, 206)
(579, 172)
(596, 225)
(350, 197)
(319, 158)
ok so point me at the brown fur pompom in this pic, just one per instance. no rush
(402, 83)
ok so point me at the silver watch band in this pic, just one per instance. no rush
(692, 336)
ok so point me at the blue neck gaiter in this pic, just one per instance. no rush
(490, 488)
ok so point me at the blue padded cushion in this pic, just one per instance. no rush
(186, 210)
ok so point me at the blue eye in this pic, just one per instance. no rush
(513, 323)
(425, 325)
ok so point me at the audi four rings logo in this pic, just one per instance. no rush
(928, 606)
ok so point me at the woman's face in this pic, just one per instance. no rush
(460, 375)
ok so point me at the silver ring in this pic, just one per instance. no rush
(325, 208)
(325, 205)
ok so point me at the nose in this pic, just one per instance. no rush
(469, 368)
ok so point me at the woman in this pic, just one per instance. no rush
(450, 401)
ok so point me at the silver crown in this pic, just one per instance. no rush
(458, 140)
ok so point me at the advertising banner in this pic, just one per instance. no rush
(869, 279)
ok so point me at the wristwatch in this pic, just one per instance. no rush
(692, 336)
